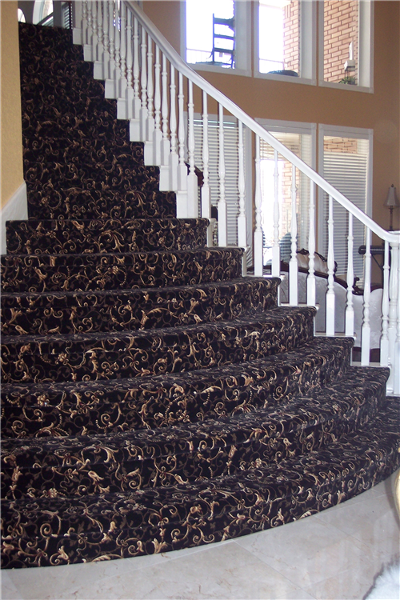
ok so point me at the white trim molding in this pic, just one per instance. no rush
(15, 209)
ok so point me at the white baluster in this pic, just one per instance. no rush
(95, 39)
(77, 32)
(84, 22)
(205, 190)
(173, 155)
(349, 329)
(121, 90)
(311, 283)
(192, 187)
(258, 258)
(157, 135)
(276, 251)
(106, 39)
(182, 197)
(98, 68)
(330, 294)
(384, 345)
(165, 145)
(397, 346)
(148, 146)
(129, 66)
(134, 125)
(150, 91)
(143, 84)
(222, 210)
(366, 326)
(242, 229)
(110, 81)
(87, 48)
(293, 264)
(394, 296)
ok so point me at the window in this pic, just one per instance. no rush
(217, 34)
(346, 43)
(345, 164)
(285, 39)
(300, 139)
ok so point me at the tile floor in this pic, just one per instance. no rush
(335, 554)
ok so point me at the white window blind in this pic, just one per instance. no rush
(346, 168)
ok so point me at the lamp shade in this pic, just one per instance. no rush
(392, 200)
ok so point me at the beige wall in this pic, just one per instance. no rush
(11, 133)
(343, 107)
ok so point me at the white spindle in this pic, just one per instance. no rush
(165, 145)
(393, 308)
(150, 91)
(205, 190)
(222, 210)
(106, 40)
(276, 251)
(330, 294)
(349, 329)
(311, 283)
(121, 92)
(117, 38)
(143, 83)
(87, 49)
(136, 96)
(100, 33)
(258, 236)
(110, 81)
(77, 32)
(84, 22)
(129, 67)
(293, 264)
(384, 345)
(242, 232)
(192, 177)
(157, 135)
(173, 155)
(366, 326)
(181, 198)
(396, 367)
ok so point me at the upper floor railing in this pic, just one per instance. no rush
(158, 93)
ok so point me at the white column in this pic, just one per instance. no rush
(222, 211)
(143, 85)
(311, 283)
(173, 155)
(148, 146)
(276, 252)
(330, 294)
(134, 124)
(366, 326)
(77, 34)
(293, 265)
(349, 329)
(182, 196)
(192, 186)
(205, 190)
(242, 228)
(258, 258)
(157, 135)
(384, 345)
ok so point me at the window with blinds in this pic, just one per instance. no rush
(301, 145)
(345, 166)
(231, 143)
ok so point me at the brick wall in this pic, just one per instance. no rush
(346, 145)
(291, 36)
(340, 28)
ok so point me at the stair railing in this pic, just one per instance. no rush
(157, 92)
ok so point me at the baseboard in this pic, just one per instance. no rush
(15, 209)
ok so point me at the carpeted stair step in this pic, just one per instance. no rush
(68, 272)
(191, 451)
(110, 235)
(137, 354)
(146, 308)
(104, 526)
(89, 408)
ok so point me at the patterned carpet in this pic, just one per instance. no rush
(152, 398)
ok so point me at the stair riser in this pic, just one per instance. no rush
(72, 237)
(136, 309)
(165, 401)
(99, 469)
(125, 271)
(97, 203)
(146, 522)
(168, 352)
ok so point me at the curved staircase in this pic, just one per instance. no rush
(152, 398)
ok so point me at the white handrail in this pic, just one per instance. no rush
(237, 112)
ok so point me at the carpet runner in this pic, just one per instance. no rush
(152, 398)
